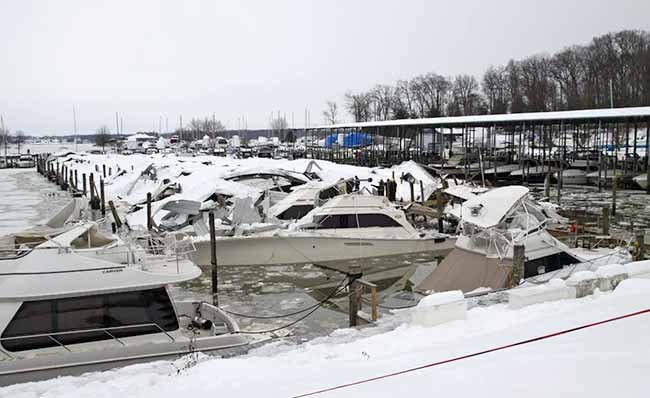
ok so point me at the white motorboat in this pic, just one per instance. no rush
(25, 162)
(572, 176)
(62, 313)
(492, 223)
(605, 177)
(501, 171)
(347, 227)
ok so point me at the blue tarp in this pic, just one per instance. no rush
(350, 140)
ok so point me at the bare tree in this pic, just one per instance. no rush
(279, 124)
(358, 105)
(466, 98)
(495, 88)
(102, 136)
(19, 138)
(330, 114)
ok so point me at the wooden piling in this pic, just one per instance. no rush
(422, 192)
(640, 242)
(104, 170)
(76, 180)
(412, 188)
(614, 193)
(605, 220)
(92, 191)
(355, 294)
(213, 260)
(116, 217)
(149, 220)
(83, 178)
(518, 261)
(102, 197)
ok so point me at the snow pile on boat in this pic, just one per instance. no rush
(205, 178)
(598, 361)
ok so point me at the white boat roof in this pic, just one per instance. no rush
(465, 192)
(356, 201)
(494, 205)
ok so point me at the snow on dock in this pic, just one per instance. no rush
(599, 360)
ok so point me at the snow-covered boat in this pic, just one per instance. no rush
(531, 174)
(63, 312)
(347, 227)
(25, 162)
(492, 224)
(572, 176)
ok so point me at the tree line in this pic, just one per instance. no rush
(612, 70)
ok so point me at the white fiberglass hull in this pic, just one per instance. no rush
(642, 180)
(277, 250)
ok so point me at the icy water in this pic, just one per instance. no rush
(26, 199)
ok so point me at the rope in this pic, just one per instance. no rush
(467, 356)
(299, 319)
(336, 290)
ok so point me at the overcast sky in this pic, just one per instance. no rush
(160, 59)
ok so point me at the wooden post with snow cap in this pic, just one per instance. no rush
(149, 221)
(213, 260)
(102, 197)
(518, 261)
(354, 273)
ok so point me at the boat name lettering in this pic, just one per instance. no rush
(106, 271)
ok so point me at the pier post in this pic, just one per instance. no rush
(93, 200)
(640, 241)
(614, 192)
(71, 181)
(76, 180)
(102, 197)
(547, 185)
(605, 220)
(422, 192)
(149, 223)
(83, 180)
(355, 294)
(116, 217)
(518, 260)
(104, 170)
(213, 260)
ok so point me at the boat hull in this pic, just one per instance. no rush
(279, 250)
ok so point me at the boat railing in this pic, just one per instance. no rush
(106, 331)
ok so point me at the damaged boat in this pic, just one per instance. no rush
(347, 227)
(492, 223)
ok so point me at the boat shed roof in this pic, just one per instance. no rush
(613, 114)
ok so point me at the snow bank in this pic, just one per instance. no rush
(555, 289)
(596, 362)
(439, 308)
(638, 269)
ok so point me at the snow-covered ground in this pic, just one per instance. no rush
(611, 359)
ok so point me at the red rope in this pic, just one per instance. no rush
(544, 337)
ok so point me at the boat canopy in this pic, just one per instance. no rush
(487, 210)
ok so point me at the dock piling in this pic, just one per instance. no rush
(213, 260)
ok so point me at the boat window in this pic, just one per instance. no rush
(337, 221)
(295, 212)
(547, 264)
(106, 311)
(350, 221)
(377, 220)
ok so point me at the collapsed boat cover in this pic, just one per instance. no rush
(487, 210)
(467, 271)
